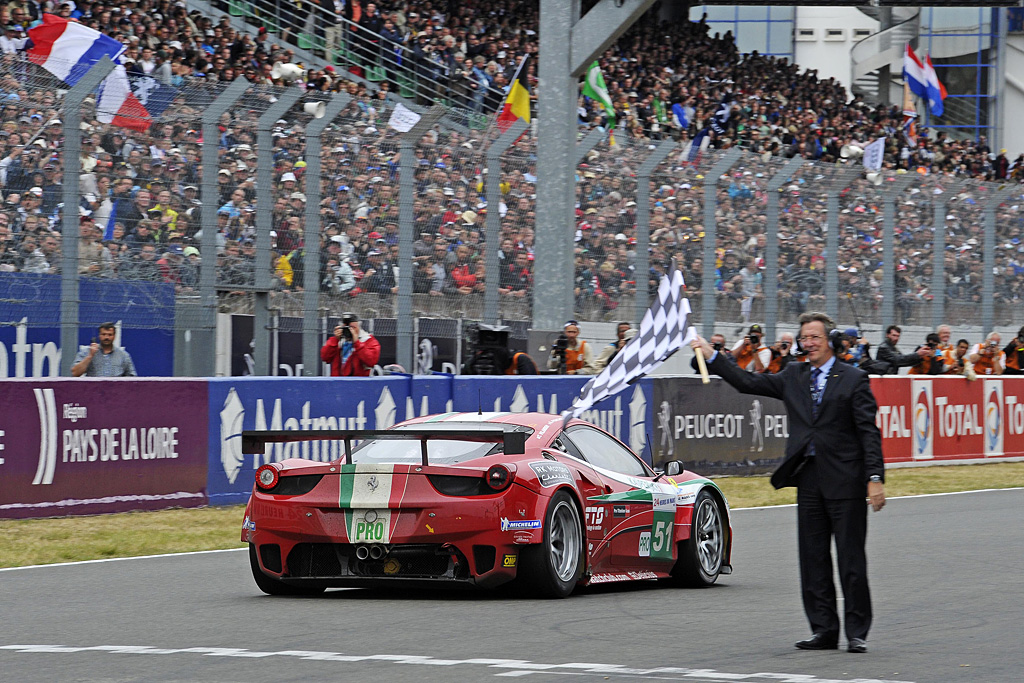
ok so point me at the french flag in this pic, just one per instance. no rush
(914, 74)
(68, 50)
(936, 92)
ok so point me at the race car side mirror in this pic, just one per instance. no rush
(673, 468)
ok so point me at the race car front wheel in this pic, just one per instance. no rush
(272, 586)
(551, 569)
(701, 556)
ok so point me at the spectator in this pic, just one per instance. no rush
(934, 361)
(571, 355)
(1014, 352)
(961, 365)
(623, 334)
(782, 353)
(111, 361)
(351, 351)
(987, 358)
(751, 353)
(889, 353)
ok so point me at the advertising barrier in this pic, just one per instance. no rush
(89, 446)
(714, 429)
(949, 418)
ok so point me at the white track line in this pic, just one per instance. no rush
(235, 550)
(497, 667)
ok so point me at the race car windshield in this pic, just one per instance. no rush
(439, 451)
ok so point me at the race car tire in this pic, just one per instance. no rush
(551, 569)
(272, 586)
(701, 556)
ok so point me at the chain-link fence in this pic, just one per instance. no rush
(878, 248)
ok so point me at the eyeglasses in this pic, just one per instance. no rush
(811, 337)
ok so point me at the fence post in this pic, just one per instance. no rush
(404, 351)
(69, 280)
(938, 283)
(643, 225)
(890, 196)
(711, 178)
(208, 245)
(588, 143)
(771, 256)
(840, 181)
(262, 361)
(311, 335)
(493, 189)
(988, 277)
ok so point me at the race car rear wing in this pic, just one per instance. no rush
(514, 442)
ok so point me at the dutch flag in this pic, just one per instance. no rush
(68, 50)
(935, 91)
(914, 74)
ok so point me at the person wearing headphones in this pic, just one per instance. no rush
(571, 355)
(834, 459)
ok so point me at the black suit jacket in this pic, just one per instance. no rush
(847, 443)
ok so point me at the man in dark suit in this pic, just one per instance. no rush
(834, 458)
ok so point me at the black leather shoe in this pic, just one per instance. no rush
(819, 641)
(857, 645)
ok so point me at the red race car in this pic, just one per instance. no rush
(478, 500)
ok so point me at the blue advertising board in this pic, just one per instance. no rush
(243, 403)
(30, 322)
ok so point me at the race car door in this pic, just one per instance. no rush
(625, 516)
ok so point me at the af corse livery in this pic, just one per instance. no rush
(479, 499)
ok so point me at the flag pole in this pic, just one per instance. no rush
(491, 123)
(702, 365)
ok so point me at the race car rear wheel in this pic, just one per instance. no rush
(551, 569)
(272, 586)
(702, 555)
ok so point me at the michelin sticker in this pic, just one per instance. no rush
(551, 473)
(516, 525)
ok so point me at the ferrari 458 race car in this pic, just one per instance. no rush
(478, 500)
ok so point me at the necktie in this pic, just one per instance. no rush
(815, 399)
(816, 390)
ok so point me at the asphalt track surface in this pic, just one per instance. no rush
(945, 571)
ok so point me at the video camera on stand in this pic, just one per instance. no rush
(487, 347)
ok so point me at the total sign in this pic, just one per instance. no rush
(949, 418)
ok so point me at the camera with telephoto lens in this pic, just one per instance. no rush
(560, 345)
(346, 320)
(754, 339)
(718, 346)
(346, 333)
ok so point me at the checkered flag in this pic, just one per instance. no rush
(662, 333)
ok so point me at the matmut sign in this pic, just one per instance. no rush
(949, 418)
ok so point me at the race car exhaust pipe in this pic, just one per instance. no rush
(376, 552)
(362, 552)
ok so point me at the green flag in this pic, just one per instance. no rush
(595, 89)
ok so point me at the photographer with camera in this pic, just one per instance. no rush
(351, 350)
(987, 357)
(717, 342)
(623, 333)
(961, 364)
(1014, 352)
(782, 354)
(570, 355)
(934, 361)
(750, 352)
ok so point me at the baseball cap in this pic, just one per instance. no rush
(756, 328)
(852, 332)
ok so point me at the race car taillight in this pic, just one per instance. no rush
(266, 477)
(499, 477)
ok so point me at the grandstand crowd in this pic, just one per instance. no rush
(140, 207)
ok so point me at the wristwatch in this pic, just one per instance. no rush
(875, 479)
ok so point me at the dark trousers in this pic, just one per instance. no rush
(819, 520)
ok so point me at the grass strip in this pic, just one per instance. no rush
(71, 539)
